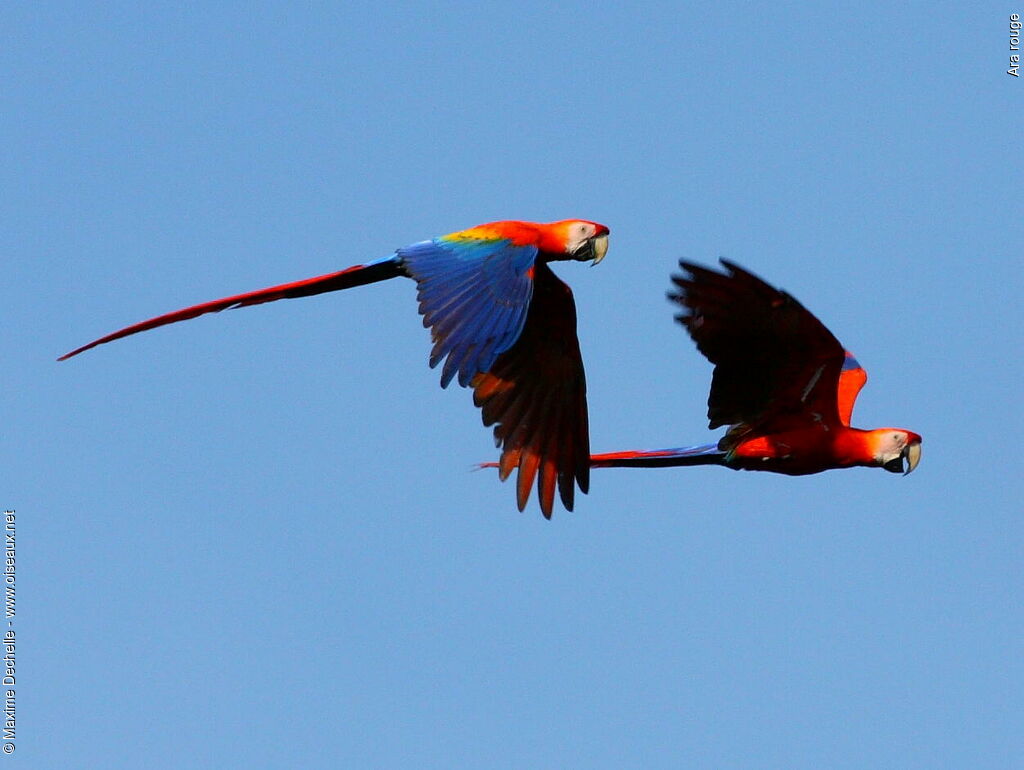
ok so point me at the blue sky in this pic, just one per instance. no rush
(253, 540)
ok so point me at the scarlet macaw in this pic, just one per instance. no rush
(782, 383)
(502, 321)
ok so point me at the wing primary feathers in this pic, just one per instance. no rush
(535, 397)
(774, 361)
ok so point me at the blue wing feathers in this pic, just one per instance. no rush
(491, 328)
(473, 295)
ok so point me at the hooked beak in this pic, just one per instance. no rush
(593, 248)
(600, 248)
(911, 454)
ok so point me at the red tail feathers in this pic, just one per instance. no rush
(343, 279)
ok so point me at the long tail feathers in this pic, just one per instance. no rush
(705, 454)
(358, 275)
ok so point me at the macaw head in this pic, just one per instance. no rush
(896, 450)
(578, 239)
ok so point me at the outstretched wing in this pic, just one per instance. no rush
(474, 294)
(776, 365)
(535, 395)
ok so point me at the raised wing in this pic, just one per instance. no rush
(535, 395)
(776, 365)
(851, 380)
(474, 294)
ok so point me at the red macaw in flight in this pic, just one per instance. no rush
(500, 320)
(782, 383)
